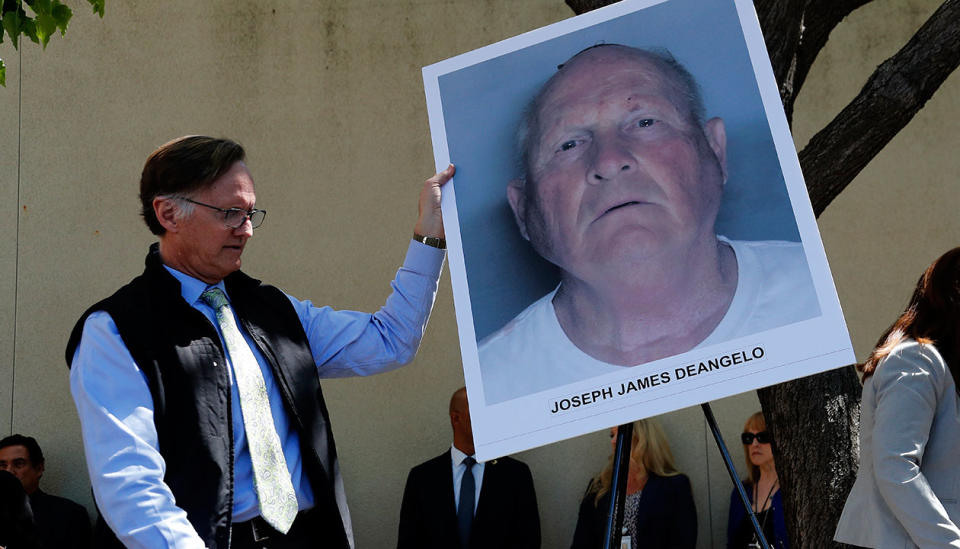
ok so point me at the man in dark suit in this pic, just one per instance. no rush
(60, 523)
(439, 512)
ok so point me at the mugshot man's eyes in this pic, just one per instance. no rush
(645, 122)
(567, 145)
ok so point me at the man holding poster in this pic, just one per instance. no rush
(622, 184)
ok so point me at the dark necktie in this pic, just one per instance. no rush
(468, 494)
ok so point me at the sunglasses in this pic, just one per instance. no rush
(762, 437)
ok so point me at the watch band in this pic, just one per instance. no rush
(434, 241)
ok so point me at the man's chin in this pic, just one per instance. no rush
(630, 247)
(229, 267)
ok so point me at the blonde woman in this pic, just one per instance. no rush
(658, 513)
(763, 490)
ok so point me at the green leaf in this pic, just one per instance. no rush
(40, 7)
(3, 74)
(29, 29)
(98, 6)
(62, 14)
(46, 26)
(11, 24)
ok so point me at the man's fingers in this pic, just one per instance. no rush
(430, 218)
(440, 178)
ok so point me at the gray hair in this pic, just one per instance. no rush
(184, 209)
(528, 132)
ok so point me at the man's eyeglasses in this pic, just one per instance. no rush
(234, 218)
(762, 437)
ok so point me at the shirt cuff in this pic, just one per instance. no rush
(423, 259)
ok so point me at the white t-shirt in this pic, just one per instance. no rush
(532, 353)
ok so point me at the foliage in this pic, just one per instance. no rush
(48, 16)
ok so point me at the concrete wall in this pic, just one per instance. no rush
(327, 98)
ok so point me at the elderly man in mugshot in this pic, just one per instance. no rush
(622, 183)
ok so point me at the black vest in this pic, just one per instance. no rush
(178, 350)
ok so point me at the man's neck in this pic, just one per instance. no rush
(465, 448)
(649, 313)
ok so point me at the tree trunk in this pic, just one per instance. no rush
(815, 420)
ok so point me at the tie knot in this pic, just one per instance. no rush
(215, 298)
(469, 461)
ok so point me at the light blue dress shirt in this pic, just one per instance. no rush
(116, 408)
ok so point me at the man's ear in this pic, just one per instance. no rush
(166, 211)
(716, 134)
(517, 197)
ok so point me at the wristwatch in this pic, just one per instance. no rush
(434, 241)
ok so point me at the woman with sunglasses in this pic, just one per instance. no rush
(907, 487)
(763, 490)
(658, 513)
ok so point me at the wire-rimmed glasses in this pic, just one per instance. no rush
(234, 218)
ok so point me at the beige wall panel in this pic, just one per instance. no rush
(327, 97)
(900, 212)
(9, 213)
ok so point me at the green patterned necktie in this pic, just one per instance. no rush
(271, 479)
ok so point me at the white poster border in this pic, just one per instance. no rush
(788, 352)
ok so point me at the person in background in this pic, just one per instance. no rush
(906, 490)
(498, 508)
(61, 523)
(17, 529)
(763, 489)
(659, 511)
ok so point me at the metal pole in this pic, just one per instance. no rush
(618, 486)
(733, 473)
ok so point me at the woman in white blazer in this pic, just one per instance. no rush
(907, 487)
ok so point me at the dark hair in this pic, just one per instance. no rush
(930, 317)
(182, 166)
(30, 443)
(17, 527)
(528, 133)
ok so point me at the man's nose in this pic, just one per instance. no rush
(245, 229)
(611, 158)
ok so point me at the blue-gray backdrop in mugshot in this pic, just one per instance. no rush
(483, 104)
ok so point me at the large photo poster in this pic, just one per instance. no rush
(629, 230)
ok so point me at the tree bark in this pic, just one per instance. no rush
(895, 92)
(815, 420)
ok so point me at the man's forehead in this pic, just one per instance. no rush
(607, 56)
(588, 75)
(14, 451)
